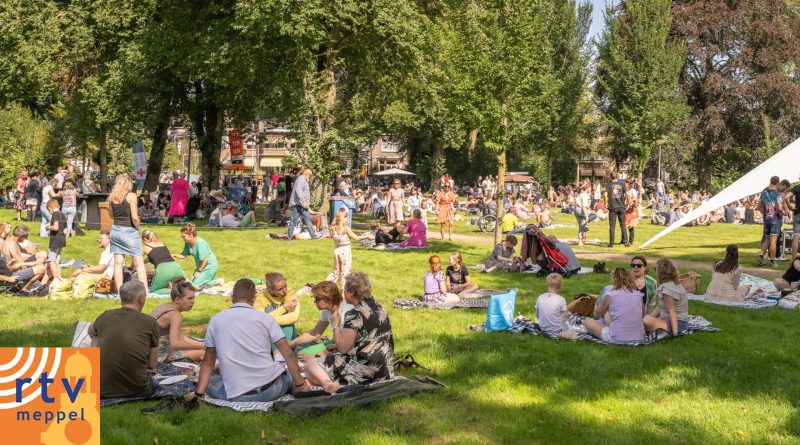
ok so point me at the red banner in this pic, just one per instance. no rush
(236, 146)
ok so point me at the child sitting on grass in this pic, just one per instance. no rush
(434, 285)
(551, 308)
(58, 237)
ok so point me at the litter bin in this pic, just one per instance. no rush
(342, 203)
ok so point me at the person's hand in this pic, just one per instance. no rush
(290, 305)
(305, 387)
(305, 205)
(195, 275)
(305, 358)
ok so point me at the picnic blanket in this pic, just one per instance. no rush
(534, 268)
(72, 264)
(469, 303)
(365, 395)
(175, 389)
(522, 325)
(763, 294)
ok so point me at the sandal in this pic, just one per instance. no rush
(407, 362)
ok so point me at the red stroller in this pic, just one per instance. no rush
(543, 252)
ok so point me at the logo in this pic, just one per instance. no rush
(50, 396)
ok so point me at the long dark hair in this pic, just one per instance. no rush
(731, 261)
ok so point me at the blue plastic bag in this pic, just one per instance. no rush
(500, 315)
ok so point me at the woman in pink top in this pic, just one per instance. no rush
(417, 232)
(395, 206)
(180, 196)
(624, 303)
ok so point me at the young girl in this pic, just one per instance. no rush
(69, 206)
(435, 287)
(342, 255)
(457, 276)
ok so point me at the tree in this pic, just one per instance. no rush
(739, 78)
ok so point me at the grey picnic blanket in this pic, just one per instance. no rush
(469, 303)
(763, 294)
(175, 389)
(523, 325)
(374, 392)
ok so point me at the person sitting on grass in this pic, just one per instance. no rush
(457, 278)
(673, 301)
(274, 213)
(551, 308)
(509, 222)
(435, 289)
(416, 230)
(790, 281)
(329, 301)
(128, 341)
(644, 283)
(103, 269)
(205, 272)
(172, 345)
(725, 280)
(363, 349)
(545, 217)
(19, 252)
(167, 269)
(241, 338)
(502, 257)
(382, 237)
(216, 215)
(280, 303)
(20, 269)
(229, 219)
(624, 303)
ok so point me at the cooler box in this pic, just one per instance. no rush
(339, 203)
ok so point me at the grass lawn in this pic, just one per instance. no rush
(737, 385)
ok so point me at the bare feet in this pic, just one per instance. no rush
(331, 387)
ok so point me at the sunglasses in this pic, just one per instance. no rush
(318, 299)
(637, 265)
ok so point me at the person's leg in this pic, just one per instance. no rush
(781, 284)
(773, 247)
(46, 216)
(593, 326)
(630, 235)
(612, 227)
(441, 229)
(652, 323)
(622, 227)
(83, 209)
(333, 276)
(216, 387)
(141, 272)
(119, 262)
(165, 273)
(70, 213)
(294, 221)
(309, 223)
(450, 230)
(346, 263)
(468, 289)
(194, 355)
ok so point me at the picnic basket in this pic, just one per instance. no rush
(690, 281)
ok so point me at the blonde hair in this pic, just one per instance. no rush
(375, 225)
(271, 281)
(554, 281)
(189, 229)
(457, 256)
(149, 235)
(122, 186)
(339, 221)
(622, 279)
(666, 271)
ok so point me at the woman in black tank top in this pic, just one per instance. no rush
(125, 237)
(167, 269)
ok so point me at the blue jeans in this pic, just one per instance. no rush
(297, 213)
(46, 217)
(216, 389)
(70, 213)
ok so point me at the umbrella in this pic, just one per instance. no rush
(237, 167)
(394, 172)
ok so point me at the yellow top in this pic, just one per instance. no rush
(271, 305)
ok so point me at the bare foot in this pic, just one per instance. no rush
(331, 387)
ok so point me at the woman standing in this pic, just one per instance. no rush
(632, 211)
(180, 196)
(19, 194)
(205, 272)
(48, 193)
(725, 280)
(167, 269)
(445, 200)
(395, 206)
(69, 206)
(172, 345)
(125, 238)
(583, 209)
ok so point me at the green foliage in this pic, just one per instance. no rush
(25, 140)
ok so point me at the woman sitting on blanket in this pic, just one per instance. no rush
(434, 284)
(172, 345)
(502, 256)
(278, 301)
(384, 238)
(329, 301)
(673, 301)
(624, 303)
(416, 230)
(456, 277)
(725, 280)
(167, 269)
(363, 349)
(790, 281)
(205, 272)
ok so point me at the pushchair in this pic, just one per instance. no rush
(541, 251)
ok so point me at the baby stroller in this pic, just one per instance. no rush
(541, 251)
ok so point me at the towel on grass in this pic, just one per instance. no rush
(374, 392)
(176, 389)
(72, 264)
(757, 303)
(763, 294)
(522, 325)
(471, 303)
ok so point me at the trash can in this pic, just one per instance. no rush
(342, 203)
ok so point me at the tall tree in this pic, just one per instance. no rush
(637, 79)
(740, 78)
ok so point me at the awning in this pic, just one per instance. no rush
(271, 162)
(249, 162)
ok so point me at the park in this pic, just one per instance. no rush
(400, 222)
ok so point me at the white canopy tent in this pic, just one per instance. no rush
(394, 172)
(785, 164)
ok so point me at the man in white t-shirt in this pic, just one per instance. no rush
(229, 219)
(241, 337)
(103, 269)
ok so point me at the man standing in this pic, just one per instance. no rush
(795, 193)
(241, 338)
(617, 197)
(128, 341)
(300, 203)
(772, 207)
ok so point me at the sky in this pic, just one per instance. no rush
(597, 16)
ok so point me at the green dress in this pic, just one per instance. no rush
(200, 252)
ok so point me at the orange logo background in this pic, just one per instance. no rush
(53, 426)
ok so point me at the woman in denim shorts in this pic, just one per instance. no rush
(125, 237)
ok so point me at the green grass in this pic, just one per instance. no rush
(738, 385)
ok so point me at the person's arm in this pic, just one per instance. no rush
(206, 370)
(603, 308)
(442, 286)
(287, 313)
(291, 362)
(176, 340)
(134, 210)
(355, 237)
(345, 340)
(669, 305)
(448, 286)
(737, 276)
(311, 335)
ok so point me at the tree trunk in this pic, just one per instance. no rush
(436, 163)
(704, 167)
(501, 175)
(549, 171)
(472, 141)
(156, 160)
(103, 160)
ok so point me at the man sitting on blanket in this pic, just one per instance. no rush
(103, 269)
(229, 219)
(128, 341)
(241, 338)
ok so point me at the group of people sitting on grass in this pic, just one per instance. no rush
(254, 342)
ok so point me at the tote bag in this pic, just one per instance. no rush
(500, 315)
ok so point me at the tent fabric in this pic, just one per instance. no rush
(394, 172)
(785, 164)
